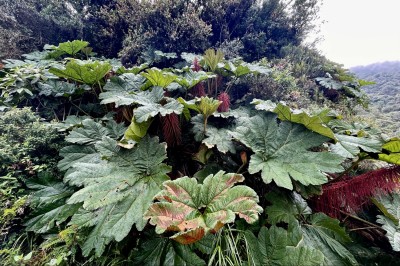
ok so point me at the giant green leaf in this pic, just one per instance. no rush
(212, 58)
(115, 130)
(94, 239)
(90, 133)
(390, 221)
(316, 123)
(282, 152)
(192, 210)
(220, 138)
(164, 252)
(159, 77)
(238, 69)
(326, 235)
(47, 189)
(70, 48)
(318, 230)
(276, 246)
(152, 102)
(50, 215)
(49, 204)
(70, 122)
(329, 83)
(87, 72)
(145, 112)
(121, 90)
(213, 137)
(75, 153)
(391, 151)
(192, 78)
(118, 190)
(56, 88)
(286, 207)
(351, 146)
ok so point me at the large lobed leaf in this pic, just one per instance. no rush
(116, 185)
(192, 210)
(286, 207)
(326, 235)
(192, 78)
(213, 137)
(56, 88)
(121, 90)
(316, 123)
(318, 231)
(390, 221)
(49, 199)
(282, 152)
(87, 72)
(118, 191)
(391, 151)
(159, 77)
(164, 252)
(70, 48)
(276, 246)
(151, 103)
(351, 146)
(85, 134)
(90, 133)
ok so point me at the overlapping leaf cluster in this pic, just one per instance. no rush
(127, 178)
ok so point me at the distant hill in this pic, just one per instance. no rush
(384, 95)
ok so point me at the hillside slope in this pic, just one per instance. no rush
(384, 95)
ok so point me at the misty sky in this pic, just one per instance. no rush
(359, 32)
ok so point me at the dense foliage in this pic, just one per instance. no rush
(248, 153)
(149, 161)
(134, 29)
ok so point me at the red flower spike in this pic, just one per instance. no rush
(196, 65)
(171, 129)
(198, 90)
(352, 193)
(225, 99)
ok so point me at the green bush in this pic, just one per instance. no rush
(28, 147)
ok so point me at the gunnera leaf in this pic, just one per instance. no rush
(316, 123)
(87, 72)
(192, 210)
(325, 234)
(351, 146)
(56, 88)
(164, 252)
(391, 151)
(192, 78)
(390, 221)
(70, 48)
(282, 151)
(278, 247)
(90, 133)
(159, 77)
(219, 137)
(85, 135)
(117, 191)
(49, 199)
(121, 90)
(152, 103)
(318, 230)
